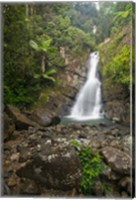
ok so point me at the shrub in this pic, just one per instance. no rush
(92, 166)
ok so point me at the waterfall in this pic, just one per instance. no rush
(88, 103)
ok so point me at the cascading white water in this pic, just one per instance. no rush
(88, 103)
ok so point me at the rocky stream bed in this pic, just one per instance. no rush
(40, 161)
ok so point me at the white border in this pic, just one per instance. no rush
(38, 1)
(31, 1)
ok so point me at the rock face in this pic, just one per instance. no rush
(115, 85)
(73, 79)
(60, 102)
(56, 165)
(116, 103)
(43, 117)
(20, 120)
(117, 109)
(76, 74)
(9, 126)
(117, 160)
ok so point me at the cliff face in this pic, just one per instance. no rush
(59, 100)
(115, 69)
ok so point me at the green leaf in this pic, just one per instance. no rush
(52, 50)
(51, 71)
(76, 144)
(48, 77)
(34, 45)
(46, 44)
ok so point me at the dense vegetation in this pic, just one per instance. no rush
(35, 35)
(92, 166)
(118, 48)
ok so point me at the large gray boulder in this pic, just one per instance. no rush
(21, 121)
(45, 117)
(118, 160)
(55, 165)
(41, 116)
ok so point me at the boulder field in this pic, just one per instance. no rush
(39, 160)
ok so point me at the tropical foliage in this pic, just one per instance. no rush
(92, 166)
(117, 64)
(34, 35)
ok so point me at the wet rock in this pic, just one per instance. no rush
(116, 101)
(109, 174)
(21, 121)
(55, 120)
(76, 126)
(116, 119)
(82, 135)
(9, 126)
(45, 117)
(56, 166)
(118, 160)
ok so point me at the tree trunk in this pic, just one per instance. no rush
(32, 10)
(27, 10)
(43, 63)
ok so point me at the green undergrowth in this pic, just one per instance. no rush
(92, 166)
(116, 58)
(45, 95)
